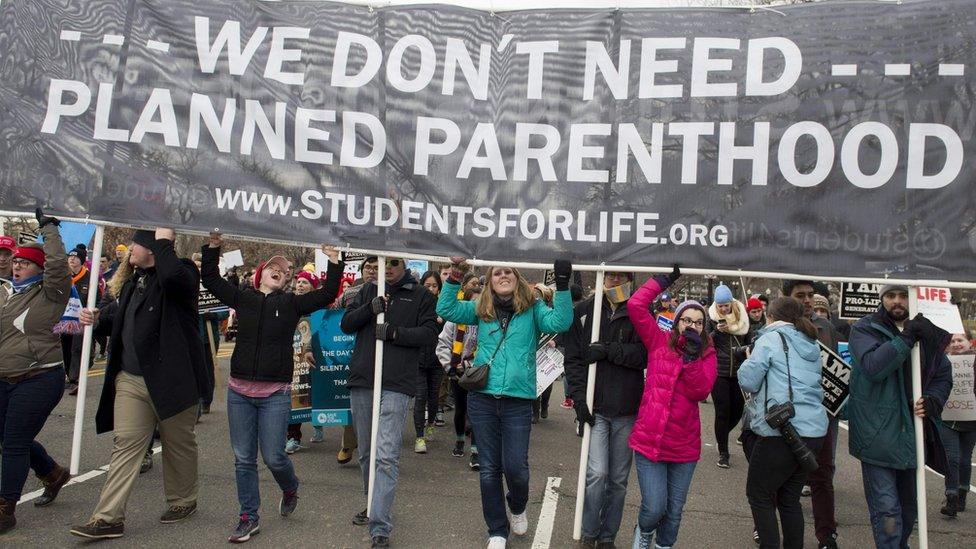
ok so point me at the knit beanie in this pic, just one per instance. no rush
(144, 238)
(723, 294)
(821, 301)
(31, 252)
(892, 288)
(311, 278)
(753, 304)
(689, 304)
(80, 251)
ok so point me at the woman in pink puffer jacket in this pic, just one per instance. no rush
(666, 438)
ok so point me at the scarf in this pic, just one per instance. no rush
(81, 274)
(504, 309)
(26, 283)
(618, 294)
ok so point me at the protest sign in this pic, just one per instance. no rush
(548, 365)
(208, 303)
(418, 267)
(26, 238)
(936, 304)
(961, 405)
(858, 299)
(301, 383)
(835, 380)
(333, 350)
(233, 258)
(709, 138)
(665, 321)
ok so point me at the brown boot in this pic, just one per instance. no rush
(7, 519)
(53, 482)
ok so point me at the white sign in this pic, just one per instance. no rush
(233, 258)
(549, 366)
(936, 305)
(961, 405)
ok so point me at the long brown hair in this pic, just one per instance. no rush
(521, 300)
(790, 310)
(121, 276)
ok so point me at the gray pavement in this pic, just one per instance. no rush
(438, 502)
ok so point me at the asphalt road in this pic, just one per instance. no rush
(438, 502)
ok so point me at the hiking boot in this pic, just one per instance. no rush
(458, 450)
(289, 500)
(292, 446)
(176, 513)
(7, 518)
(473, 462)
(950, 505)
(381, 541)
(99, 529)
(962, 499)
(723, 461)
(246, 528)
(147, 462)
(53, 482)
(318, 435)
(360, 519)
(344, 456)
(420, 446)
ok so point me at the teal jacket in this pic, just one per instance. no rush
(513, 368)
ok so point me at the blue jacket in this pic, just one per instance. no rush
(764, 375)
(513, 369)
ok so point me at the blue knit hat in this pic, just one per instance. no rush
(723, 294)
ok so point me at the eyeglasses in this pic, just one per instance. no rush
(369, 268)
(20, 261)
(689, 322)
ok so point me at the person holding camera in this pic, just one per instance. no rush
(787, 419)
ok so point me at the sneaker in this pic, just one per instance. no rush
(830, 542)
(246, 528)
(73, 389)
(544, 412)
(360, 519)
(806, 491)
(458, 450)
(292, 446)
(147, 462)
(723, 461)
(473, 462)
(53, 482)
(429, 433)
(344, 456)
(177, 513)
(642, 539)
(568, 403)
(605, 545)
(289, 500)
(535, 417)
(381, 541)
(496, 542)
(962, 499)
(205, 409)
(420, 446)
(755, 536)
(950, 505)
(318, 434)
(519, 522)
(99, 529)
(587, 541)
(439, 419)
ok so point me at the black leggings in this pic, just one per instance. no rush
(460, 411)
(728, 409)
(428, 382)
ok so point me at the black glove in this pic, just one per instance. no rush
(931, 408)
(583, 415)
(920, 328)
(378, 305)
(386, 332)
(693, 344)
(666, 280)
(562, 269)
(44, 220)
(597, 352)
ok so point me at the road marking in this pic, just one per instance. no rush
(543, 530)
(75, 480)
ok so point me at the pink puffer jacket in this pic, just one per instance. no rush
(668, 426)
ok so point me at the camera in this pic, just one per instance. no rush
(778, 417)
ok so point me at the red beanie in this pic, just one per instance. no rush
(312, 279)
(754, 303)
(32, 254)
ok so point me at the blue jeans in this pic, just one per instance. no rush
(393, 412)
(891, 504)
(502, 427)
(263, 421)
(664, 489)
(959, 452)
(24, 408)
(607, 472)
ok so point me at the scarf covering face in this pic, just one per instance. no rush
(619, 294)
(26, 283)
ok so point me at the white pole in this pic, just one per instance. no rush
(923, 522)
(377, 387)
(590, 392)
(86, 350)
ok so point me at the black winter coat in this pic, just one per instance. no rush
(620, 378)
(411, 308)
(170, 353)
(266, 323)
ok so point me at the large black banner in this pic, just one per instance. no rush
(833, 138)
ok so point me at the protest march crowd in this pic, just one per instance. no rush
(478, 333)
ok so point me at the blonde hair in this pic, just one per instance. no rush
(121, 276)
(521, 300)
(546, 291)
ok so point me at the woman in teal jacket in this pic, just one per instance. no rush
(510, 320)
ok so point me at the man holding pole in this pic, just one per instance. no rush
(410, 324)
(621, 358)
(155, 375)
(880, 410)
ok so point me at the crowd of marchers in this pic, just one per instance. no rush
(456, 339)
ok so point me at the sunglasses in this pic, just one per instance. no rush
(394, 262)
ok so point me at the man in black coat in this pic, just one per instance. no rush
(410, 324)
(155, 375)
(621, 358)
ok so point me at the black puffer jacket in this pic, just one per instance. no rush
(620, 378)
(266, 323)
